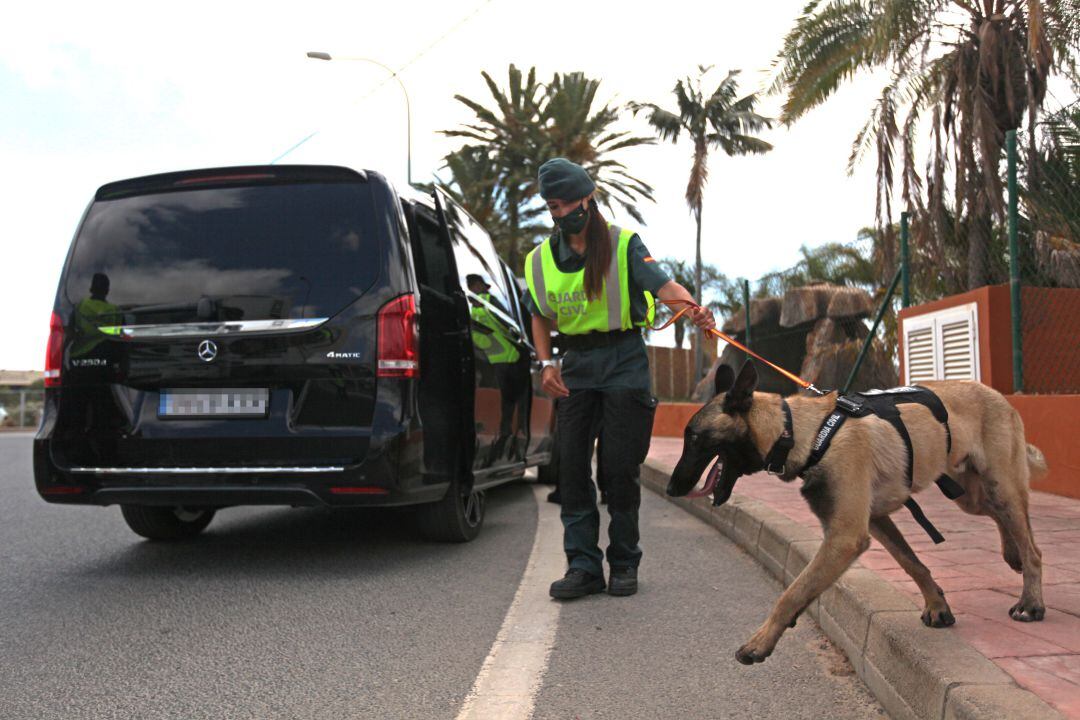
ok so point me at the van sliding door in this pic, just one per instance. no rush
(446, 381)
(500, 355)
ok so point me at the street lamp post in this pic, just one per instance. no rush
(408, 109)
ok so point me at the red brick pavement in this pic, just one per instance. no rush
(1042, 657)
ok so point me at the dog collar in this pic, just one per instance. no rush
(776, 460)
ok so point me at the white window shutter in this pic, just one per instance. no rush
(958, 350)
(942, 345)
(920, 354)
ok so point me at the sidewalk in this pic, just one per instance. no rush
(1042, 657)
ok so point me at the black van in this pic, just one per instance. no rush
(285, 335)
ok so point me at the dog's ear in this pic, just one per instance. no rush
(741, 393)
(725, 378)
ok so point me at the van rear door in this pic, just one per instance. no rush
(224, 318)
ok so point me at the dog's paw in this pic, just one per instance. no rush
(1022, 612)
(933, 617)
(747, 655)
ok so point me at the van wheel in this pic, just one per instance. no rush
(166, 523)
(458, 517)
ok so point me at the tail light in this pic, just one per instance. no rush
(398, 340)
(54, 352)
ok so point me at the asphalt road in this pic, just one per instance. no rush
(282, 613)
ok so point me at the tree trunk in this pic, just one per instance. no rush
(699, 350)
(979, 230)
(680, 333)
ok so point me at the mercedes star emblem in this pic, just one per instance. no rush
(207, 350)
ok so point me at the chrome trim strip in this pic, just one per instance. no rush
(232, 327)
(205, 470)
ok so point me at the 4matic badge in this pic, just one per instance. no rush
(344, 355)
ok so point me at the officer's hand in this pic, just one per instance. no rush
(552, 382)
(703, 318)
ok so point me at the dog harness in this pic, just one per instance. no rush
(883, 404)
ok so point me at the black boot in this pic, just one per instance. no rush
(576, 583)
(623, 581)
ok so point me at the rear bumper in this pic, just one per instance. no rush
(377, 481)
(221, 495)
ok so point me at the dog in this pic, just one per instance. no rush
(863, 477)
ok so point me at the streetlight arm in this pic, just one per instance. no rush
(408, 105)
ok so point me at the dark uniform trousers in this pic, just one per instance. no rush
(626, 419)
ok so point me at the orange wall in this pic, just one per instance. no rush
(671, 418)
(1051, 341)
(995, 332)
(1050, 330)
(1052, 424)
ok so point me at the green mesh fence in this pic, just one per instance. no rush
(1047, 222)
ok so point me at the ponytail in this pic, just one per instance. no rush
(597, 252)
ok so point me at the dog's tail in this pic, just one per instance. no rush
(1036, 462)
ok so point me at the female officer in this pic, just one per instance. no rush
(593, 283)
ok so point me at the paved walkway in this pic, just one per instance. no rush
(1043, 657)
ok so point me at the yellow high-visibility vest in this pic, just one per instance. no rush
(561, 296)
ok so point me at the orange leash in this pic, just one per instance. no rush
(688, 306)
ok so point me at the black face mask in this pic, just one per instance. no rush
(574, 221)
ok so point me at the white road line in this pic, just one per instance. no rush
(510, 677)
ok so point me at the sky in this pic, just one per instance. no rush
(96, 92)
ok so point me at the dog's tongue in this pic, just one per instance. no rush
(710, 482)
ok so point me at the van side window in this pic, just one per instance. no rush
(479, 266)
(434, 265)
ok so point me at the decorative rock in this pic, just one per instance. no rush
(805, 304)
(763, 311)
(849, 303)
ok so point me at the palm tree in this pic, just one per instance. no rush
(510, 136)
(476, 184)
(1051, 195)
(531, 123)
(851, 265)
(726, 294)
(719, 120)
(976, 67)
(571, 129)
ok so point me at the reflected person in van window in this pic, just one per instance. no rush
(493, 339)
(595, 284)
(91, 313)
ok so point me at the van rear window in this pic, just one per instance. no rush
(301, 250)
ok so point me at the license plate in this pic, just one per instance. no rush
(217, 403)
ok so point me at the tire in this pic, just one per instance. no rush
(456, 518)
(166, 523)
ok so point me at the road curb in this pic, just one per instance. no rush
(915, 672)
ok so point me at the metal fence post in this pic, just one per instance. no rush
(746, 307)
(885, 302)
(905, 260)
(1014, 268)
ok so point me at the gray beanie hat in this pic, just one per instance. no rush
(561, 179)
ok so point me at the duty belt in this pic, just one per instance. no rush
(588, 341)
(883, 404)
